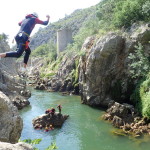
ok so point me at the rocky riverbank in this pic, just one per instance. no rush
(125, 117)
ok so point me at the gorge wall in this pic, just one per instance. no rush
(10, 83)
(10, 122)
(104, 72)
(12, 88)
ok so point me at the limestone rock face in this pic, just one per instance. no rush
(10, 82)
(11, 123)
(96, 69)
(18, 146)
(104, 72)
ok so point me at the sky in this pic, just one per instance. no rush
(14, 11)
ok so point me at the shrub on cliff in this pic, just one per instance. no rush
(140, 64)
(141, 97)
(140, 71)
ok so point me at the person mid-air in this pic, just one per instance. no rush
(22, 37)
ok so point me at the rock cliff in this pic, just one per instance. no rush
(10, 82)
(10, 122)
(12, 92)
(104, 74)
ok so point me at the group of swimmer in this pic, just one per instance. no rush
(51, 113)
(46, 129)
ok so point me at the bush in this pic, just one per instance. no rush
(141, 97)
(47, 51)
(126, 13)
(140, 64)
(140, 70)
(37, 141)
(123, 13)
(146, 10)
(41, 51)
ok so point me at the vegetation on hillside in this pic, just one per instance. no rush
(74, 22)
(108, 15)
(3, 37)
(140, 70)
(123, 13)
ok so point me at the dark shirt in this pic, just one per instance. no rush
(28, 24)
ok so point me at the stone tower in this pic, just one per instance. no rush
(64, 37)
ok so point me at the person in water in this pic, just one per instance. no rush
(22, 37)
(46, 129)
(51, 127)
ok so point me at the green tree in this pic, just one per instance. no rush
(140, 64)
(3, 36)
(140, 70)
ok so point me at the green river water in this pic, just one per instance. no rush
(84, 130)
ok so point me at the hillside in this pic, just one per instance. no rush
(127, 20)
(74, 21)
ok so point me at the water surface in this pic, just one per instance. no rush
(84, 130)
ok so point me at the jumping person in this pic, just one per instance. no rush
(27, 25)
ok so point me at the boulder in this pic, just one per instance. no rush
(117, 121)
(11, 123)
(20, 102)
(56, 84)
(56, 120)
(40, 87)
(25, 93)
(17, 146)
(125, 112)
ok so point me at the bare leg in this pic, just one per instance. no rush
(25, 65)
(2, 55)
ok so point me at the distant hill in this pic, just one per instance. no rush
(73, 21)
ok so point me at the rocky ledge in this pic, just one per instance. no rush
(125, 117)
(46, 120)
(11, 123)
(18, 146)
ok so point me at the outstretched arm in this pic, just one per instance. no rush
(38, 21)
